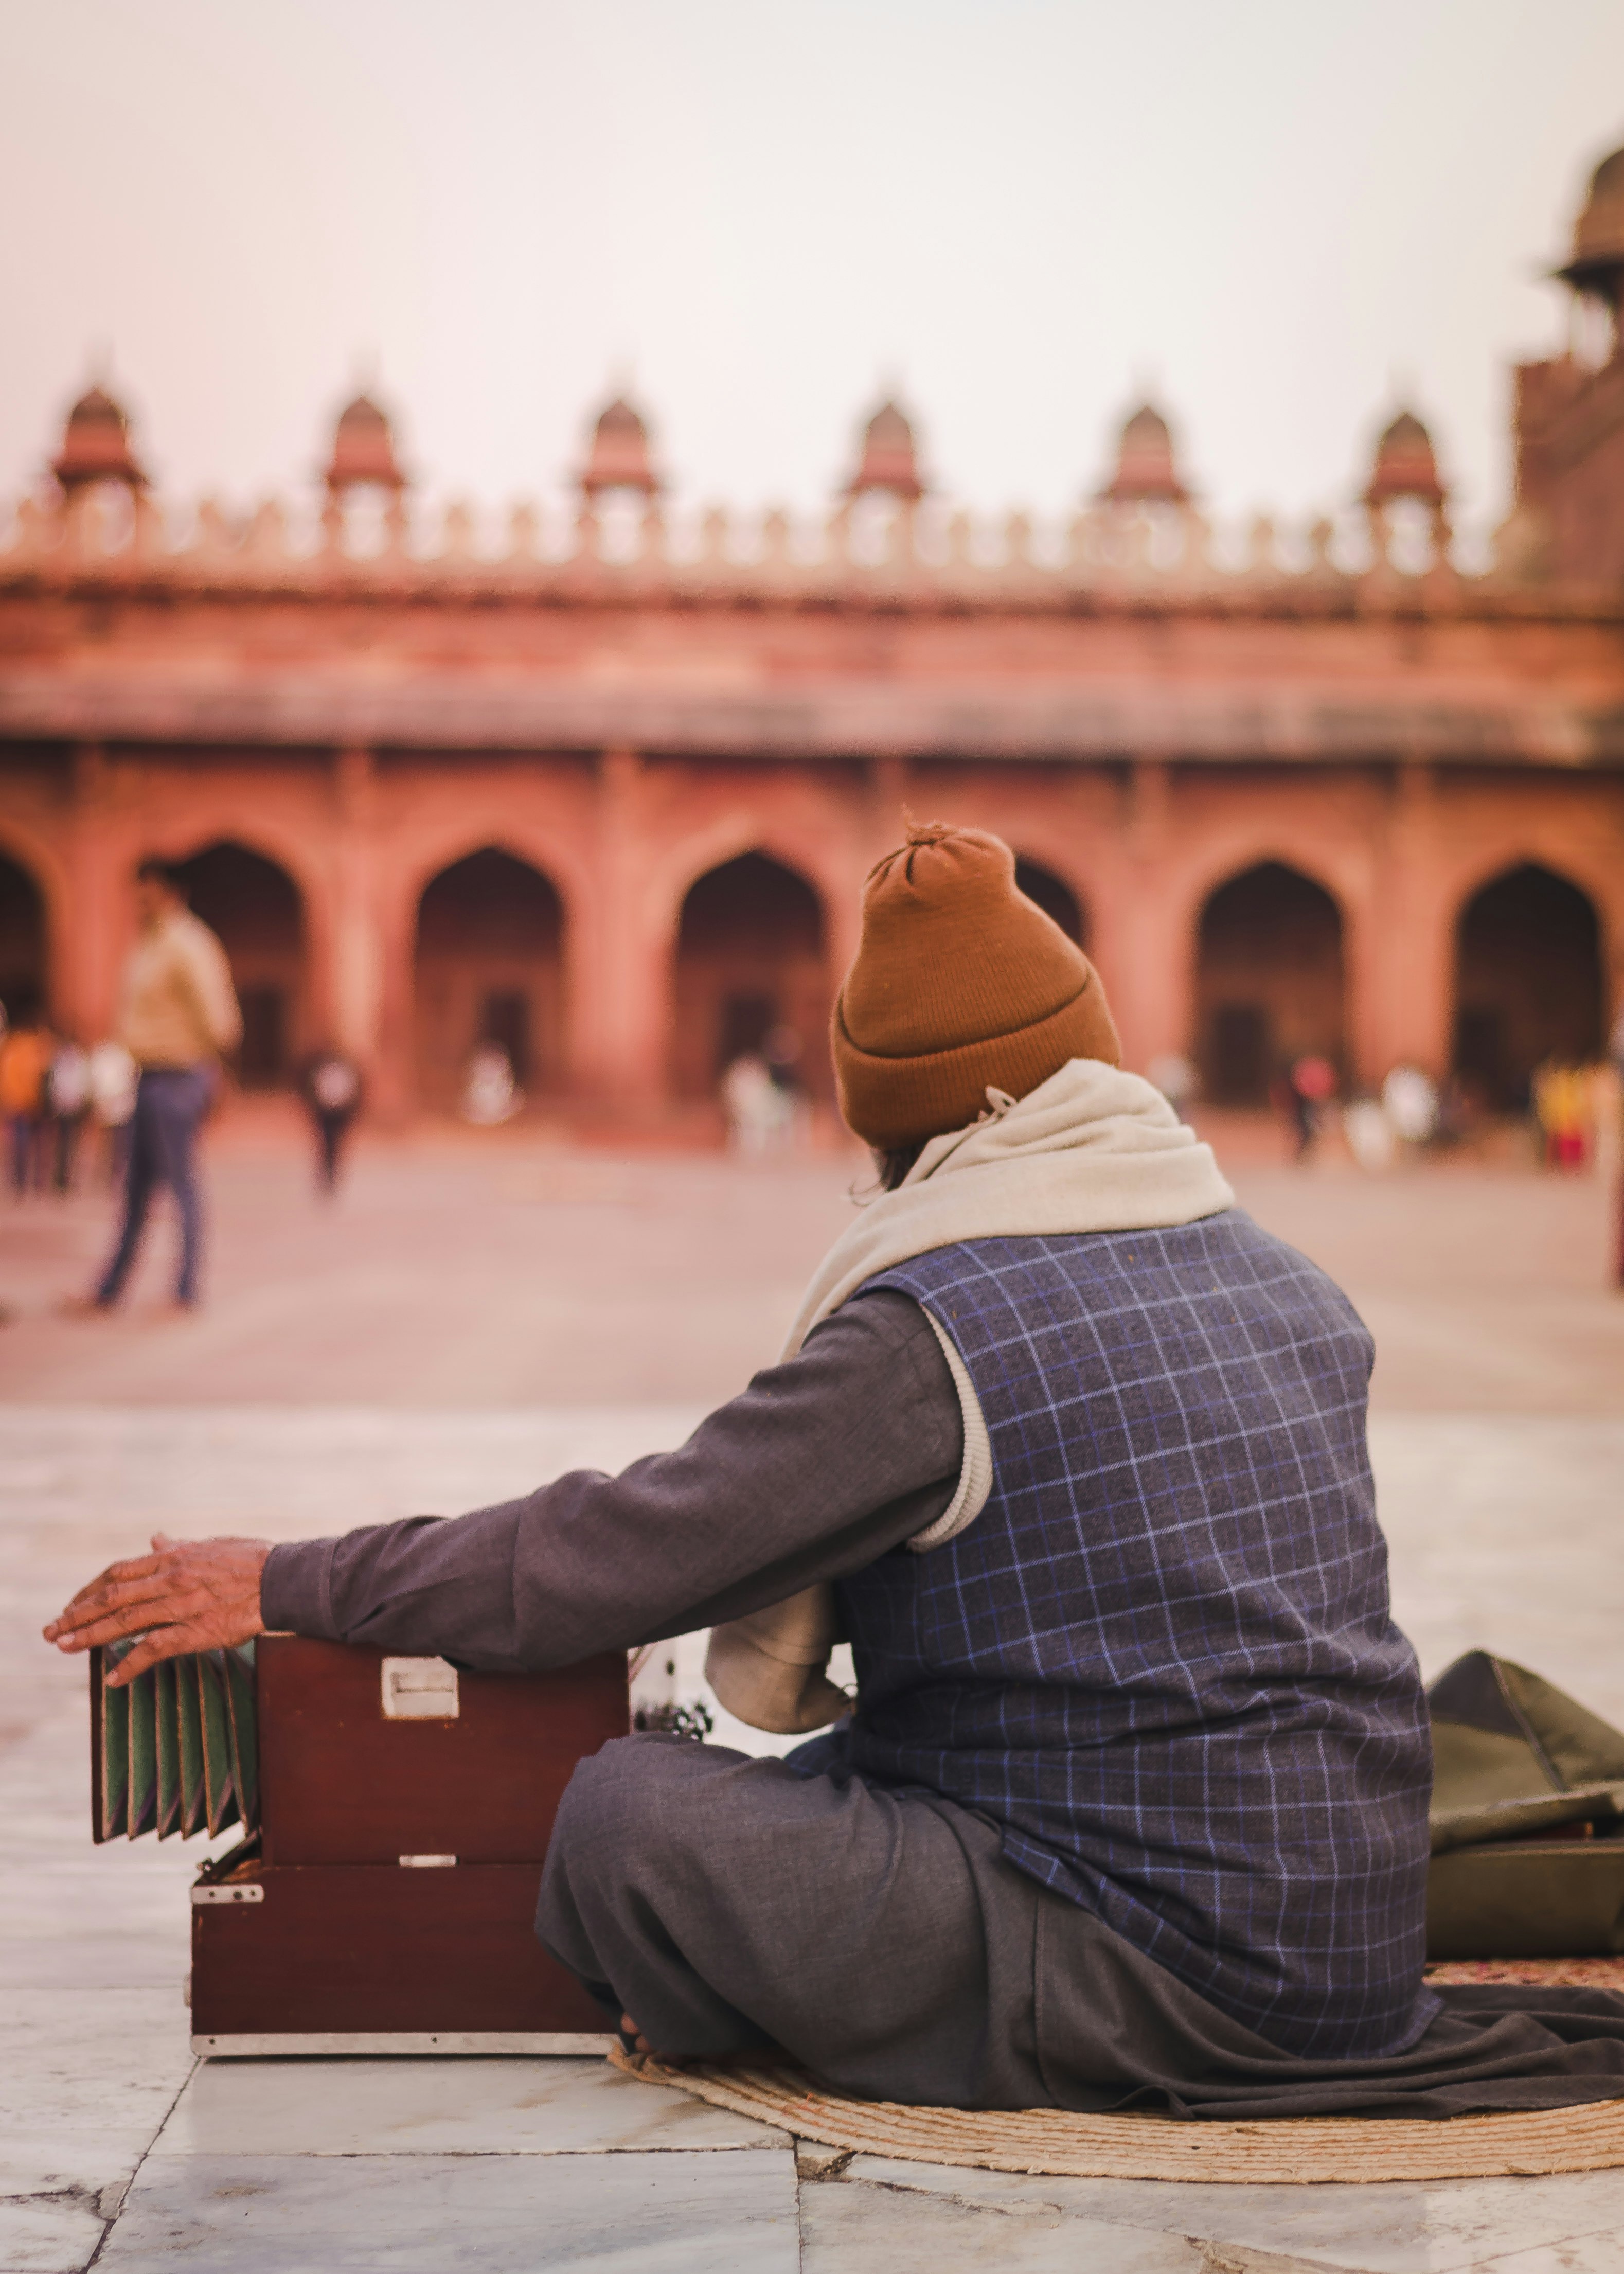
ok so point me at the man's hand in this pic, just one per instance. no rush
(188, 1595)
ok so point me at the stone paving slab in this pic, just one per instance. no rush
(869, 2224)
(442, 2108)
(52, 2233)
(1589, 2254)
(1398, 2227)
(644, 2214)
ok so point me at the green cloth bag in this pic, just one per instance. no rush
(1526, 1819)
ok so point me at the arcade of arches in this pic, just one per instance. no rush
(603, 1000)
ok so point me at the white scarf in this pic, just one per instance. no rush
(1092, 1150)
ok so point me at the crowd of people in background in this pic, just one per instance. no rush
(1573, 1111)
(67, 1109)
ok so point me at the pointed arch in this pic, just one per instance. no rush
(1054, 896)
(487, 966)
(751, 960)
(24, 953)
(255, 908)
(1270, 981)
(1528, 981)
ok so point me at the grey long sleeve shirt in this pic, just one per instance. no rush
(821, 1467)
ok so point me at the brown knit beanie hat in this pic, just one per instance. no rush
(959, 981)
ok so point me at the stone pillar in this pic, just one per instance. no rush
(355, 989)
(88, 935)
(619, 975)
(1405, 1007)
(348, 993)
(1145, 960)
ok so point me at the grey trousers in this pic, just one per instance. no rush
(880, 1938)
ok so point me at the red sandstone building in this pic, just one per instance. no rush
(607, 793)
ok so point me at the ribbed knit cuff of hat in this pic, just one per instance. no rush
(891, 1103)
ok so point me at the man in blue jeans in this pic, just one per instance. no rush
(179, 1012)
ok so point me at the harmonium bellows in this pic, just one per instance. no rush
(394, 1815)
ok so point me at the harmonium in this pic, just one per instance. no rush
(394, 1815)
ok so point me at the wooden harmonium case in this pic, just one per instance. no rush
(395, 1814)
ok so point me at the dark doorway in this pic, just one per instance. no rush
(749, 958)
(746, 1021)
(506, 1022)
(1269, 981)
(253, 906)
(1054, 896)
(490, 968)
(265, 1056)
(23, 977)
(1528, 983)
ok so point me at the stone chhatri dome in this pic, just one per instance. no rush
(1406, 466)
(1145, 466)
(888, 459)
(1597, 263)
(362, 450)
(618, 458)
(96, 447)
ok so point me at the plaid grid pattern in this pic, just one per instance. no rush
(1161, 1656)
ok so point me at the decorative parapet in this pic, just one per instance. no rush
(870, 551)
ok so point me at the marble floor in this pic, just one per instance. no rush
(118, 2150)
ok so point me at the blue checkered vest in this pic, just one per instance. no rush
(1161, 1657)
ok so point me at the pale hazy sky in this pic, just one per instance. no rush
(1274, 212)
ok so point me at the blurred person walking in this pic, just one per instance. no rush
(179, 1013)
(1311, 1085)
(331, 1087)
(490, 1094)
(26, 1056)
(782, 1049)
(757, 1110)
(1411, 1102)
(67, 1107)
(1371, 1138)
(1560, 1101)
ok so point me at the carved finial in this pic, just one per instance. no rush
(618, 458)
(1145, 468)
(889, 460)
(1405, 464)
(363, 451)
(95, 445)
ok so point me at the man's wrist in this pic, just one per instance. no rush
(296, 1590)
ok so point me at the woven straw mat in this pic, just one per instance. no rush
(1285, 2150)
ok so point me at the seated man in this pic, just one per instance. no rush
(1131, 1800)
